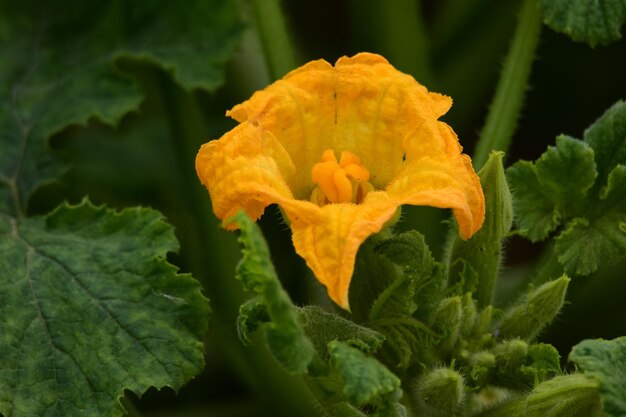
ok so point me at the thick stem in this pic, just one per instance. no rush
(272, 28)
(507, 101)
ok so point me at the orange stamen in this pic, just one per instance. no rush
(339, 182)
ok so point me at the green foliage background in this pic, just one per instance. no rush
(116, 98)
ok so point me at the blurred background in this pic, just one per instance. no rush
(455, 47)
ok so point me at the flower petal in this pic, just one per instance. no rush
(245, 169)
(366, 107)
(300, 111)
(362, 105)
(329, 238)
(437, 174)
(377, 106)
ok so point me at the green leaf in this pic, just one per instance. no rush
(605, 361)
(536, 216)
(284, 334)
(396, 283)
(566, 172)
(607, 138)
(322, 328)
(61, 67)
(367, 381)
(591, 21)
(544, 361)
(585, 246)
(421, 278)
(559, 180)
(252, 314)
(89, 307)
(578, 184)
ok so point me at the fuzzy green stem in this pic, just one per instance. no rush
(507, 101)
(272, 29)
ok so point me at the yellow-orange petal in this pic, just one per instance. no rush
(377, 106)
(329, 238)
(438, 174)
(299, 110)
(377, 119)
(362, 105)
(445, 182)
(245, 169)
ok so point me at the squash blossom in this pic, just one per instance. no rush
(340, 149)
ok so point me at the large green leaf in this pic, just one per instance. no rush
(605, 362)
(61, 67)
(89, 307)
(579, 185)
(591, 21)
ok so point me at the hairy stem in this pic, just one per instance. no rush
(507, 101)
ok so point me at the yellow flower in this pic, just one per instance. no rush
(339, 149)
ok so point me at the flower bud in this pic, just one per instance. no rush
(483, 250)
(440, 392)
(470, 315)
(484, 320)
(511, 357)
(446, 321)
(511, 353)
(565, 396)
(479, 365)
(526, 319)
(511, 408)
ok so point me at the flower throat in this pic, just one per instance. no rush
(346, 181)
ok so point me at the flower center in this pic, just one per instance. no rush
(345, 181)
